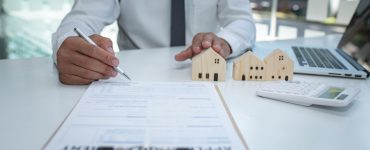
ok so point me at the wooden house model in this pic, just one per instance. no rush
(208, 66)
(276, 66)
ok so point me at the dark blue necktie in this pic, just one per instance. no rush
(177, 23)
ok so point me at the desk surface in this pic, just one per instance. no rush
(33, 103)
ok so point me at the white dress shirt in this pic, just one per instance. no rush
(147, 22)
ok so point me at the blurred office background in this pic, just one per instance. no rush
(26, 25)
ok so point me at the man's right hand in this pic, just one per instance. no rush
(79, 62)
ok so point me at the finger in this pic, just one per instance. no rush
(226, 50)
(80, 72)
(103, 42)
(95, 52)
(185, 54)
(197, 43)
(65, 66)
(228, 47)
(92, 64)
(106, 77)
(72, 79)
(217, 45)
(207, 40)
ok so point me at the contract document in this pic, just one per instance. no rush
(149, 116)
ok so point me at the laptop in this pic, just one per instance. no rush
(350, 59)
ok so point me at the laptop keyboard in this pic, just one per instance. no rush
(317, 57)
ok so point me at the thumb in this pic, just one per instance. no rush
(185, 54)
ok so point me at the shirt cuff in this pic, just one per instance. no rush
(234, 43)
(65, 32)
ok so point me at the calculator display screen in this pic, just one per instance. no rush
(331, 92)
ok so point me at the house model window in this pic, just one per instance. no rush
(281, 58)
(217, 61)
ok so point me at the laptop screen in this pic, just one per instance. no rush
(356, 40)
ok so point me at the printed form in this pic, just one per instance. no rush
(154, 115)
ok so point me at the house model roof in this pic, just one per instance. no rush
(208, 52)
(276, 53)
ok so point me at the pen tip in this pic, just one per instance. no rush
(120, 71)
(127, 77)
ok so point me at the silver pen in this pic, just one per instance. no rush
(87, 39)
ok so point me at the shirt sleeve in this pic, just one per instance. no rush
(90, 16)
(238, 27)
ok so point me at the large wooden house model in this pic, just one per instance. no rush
(208, 66)
(276, 66)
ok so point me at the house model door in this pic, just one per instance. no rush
(215, 77)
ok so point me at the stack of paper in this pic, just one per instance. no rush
(129, 115)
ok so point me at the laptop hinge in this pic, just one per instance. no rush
(352, 61)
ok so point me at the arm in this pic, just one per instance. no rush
(238, 32)
(238, 27)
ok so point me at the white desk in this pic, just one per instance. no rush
(33, 103)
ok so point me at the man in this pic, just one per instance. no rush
(225, 25)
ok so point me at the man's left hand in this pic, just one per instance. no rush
(203, 41)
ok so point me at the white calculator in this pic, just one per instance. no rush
(304, 93)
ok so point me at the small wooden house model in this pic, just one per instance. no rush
(249, 67)
(208, 66)
(276, 66)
